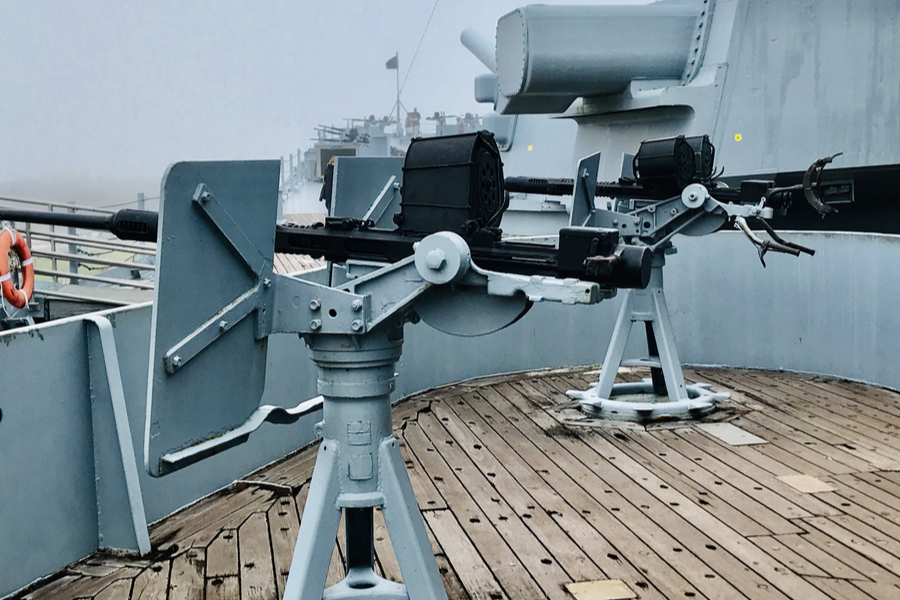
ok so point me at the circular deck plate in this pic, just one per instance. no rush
(638, 402)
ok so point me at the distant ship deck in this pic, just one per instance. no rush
(522, 495)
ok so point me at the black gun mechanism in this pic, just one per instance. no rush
(673, 188)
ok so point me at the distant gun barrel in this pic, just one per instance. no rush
(126, 224)
(480, 47)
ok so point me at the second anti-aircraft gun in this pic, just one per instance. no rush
(670, 187)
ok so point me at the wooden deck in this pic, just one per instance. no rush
(287, 264)
(523, 495)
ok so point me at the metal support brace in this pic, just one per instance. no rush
(218, 214)
(120, 507)
(584, 190)
(648, 306)
(382, 201)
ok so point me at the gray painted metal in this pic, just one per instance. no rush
(539, 69)
(203, 261)
(180, 459)
(49, 514)
(584, 190)
(798, 79)
(122, 523)
(483, 314)
(359, 465)
(480, 47)
(360, 188)
(774, 80)
(646, 306)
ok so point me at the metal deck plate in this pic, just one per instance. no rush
(731, 434)
(605, 589)
(199, 273)
(807, 484)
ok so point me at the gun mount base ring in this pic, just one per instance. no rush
(361, 583)
(701, 401)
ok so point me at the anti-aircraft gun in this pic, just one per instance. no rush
(671, 188)
(445, 263)
(217, 299)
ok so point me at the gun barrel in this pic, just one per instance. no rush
(126, 224)
(565, 187)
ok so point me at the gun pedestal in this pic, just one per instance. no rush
(668, 395)
(359, 467)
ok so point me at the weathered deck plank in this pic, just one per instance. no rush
(186, 578)
(255, 550)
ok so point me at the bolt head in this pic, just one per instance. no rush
(267, 282)
(315, 324)
(356, 325)
(356, 305)
(223, 325)
(435, 259)
(176, 361)
(314, 304)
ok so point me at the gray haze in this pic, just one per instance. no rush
(97, 97)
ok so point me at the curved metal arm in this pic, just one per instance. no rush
(762, 245)
(811, 185)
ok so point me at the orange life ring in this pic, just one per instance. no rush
(18, 297)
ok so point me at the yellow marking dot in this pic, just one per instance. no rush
(530, 147)
(738, 137)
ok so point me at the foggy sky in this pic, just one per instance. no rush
(102, 95)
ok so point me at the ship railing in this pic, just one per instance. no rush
(80, 250)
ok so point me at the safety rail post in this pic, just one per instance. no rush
(53, 265)
(73, 250)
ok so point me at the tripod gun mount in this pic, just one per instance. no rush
(208, 354)
(671, 190)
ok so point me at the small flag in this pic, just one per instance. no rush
(391, 64)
